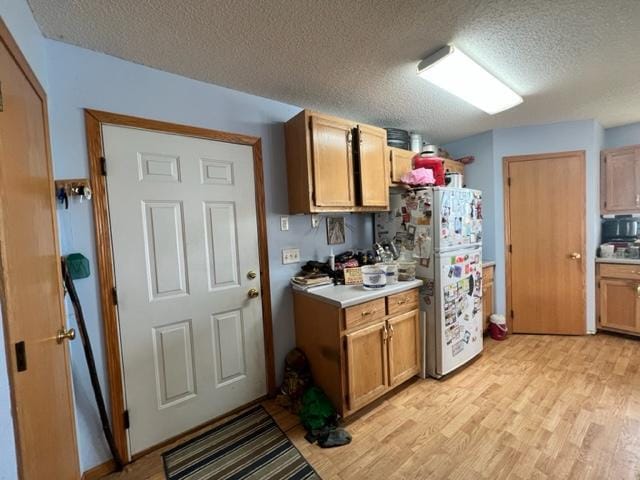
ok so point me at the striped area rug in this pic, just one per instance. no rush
(250, 446)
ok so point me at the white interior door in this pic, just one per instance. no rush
(183, 226)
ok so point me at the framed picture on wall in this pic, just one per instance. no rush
(335, 230)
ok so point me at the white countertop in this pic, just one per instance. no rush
(627, 261)
(348, 295)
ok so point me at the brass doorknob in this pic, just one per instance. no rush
(253, 293)
(575, 256)
(64, 334)
(251, 275)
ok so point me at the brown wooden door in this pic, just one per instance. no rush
(373, 171)
(545, 217)
(332, 162)
(620, 304)
(366, 364)
(32, 307)
(404, 347)
(621, 180)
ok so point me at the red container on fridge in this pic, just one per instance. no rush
(432, 163)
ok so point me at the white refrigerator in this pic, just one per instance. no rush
(442, 226)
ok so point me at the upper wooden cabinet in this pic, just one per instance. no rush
(401, 161)
(620, 180)
(332, 157)
(335, 165)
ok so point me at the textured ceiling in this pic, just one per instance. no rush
(569, 59)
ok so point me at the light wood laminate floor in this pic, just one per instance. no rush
(531, 407)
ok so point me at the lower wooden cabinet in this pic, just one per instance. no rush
(403, 347)
(619, 298)
(367, 364)
(487, 294)
(361, 352)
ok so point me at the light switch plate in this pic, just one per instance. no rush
(284, 223)
(315, 220)
(290, 255)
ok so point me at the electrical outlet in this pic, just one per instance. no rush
(284, 223)
(315, 220)
(290, 255)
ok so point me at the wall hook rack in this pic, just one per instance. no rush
(72, 188)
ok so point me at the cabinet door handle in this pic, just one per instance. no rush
(385, 333)
(637, 198)
(638, 291)
(391, 329)
(349, 137)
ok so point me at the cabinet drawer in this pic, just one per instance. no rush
(364, 313)
(402, 302)
(620, 271)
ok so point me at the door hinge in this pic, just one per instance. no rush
(510, 248)
(125, 419)
(21, 356)
(509, 181)
(605, 204)
(114, 295)
(511, 313)
(103, 166)
(1, 104)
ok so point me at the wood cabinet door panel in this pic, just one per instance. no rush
(366, 364)
(374, 186)
(404, 347)
(400, 163)
(621, 172)
(332, 162)
(620, 304)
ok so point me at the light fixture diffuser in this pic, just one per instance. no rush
(451, 70)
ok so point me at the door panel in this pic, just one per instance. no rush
(620, 304)
(192, 340)
(332, 162)
(621, 173)
(400, 163)
(373, 173)
(32, 307)
(366, 364)
(546, 211)
(404, 347)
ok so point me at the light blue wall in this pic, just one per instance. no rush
(479, 175)
(486, 174)
(80, 79)
(622, 136)
(18, 18)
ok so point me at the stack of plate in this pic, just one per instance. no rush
(397, 138)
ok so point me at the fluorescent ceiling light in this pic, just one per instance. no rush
(453, 71)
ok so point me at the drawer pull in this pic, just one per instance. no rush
(368, 312)
(401, 302)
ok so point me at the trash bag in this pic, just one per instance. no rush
(321, 420)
